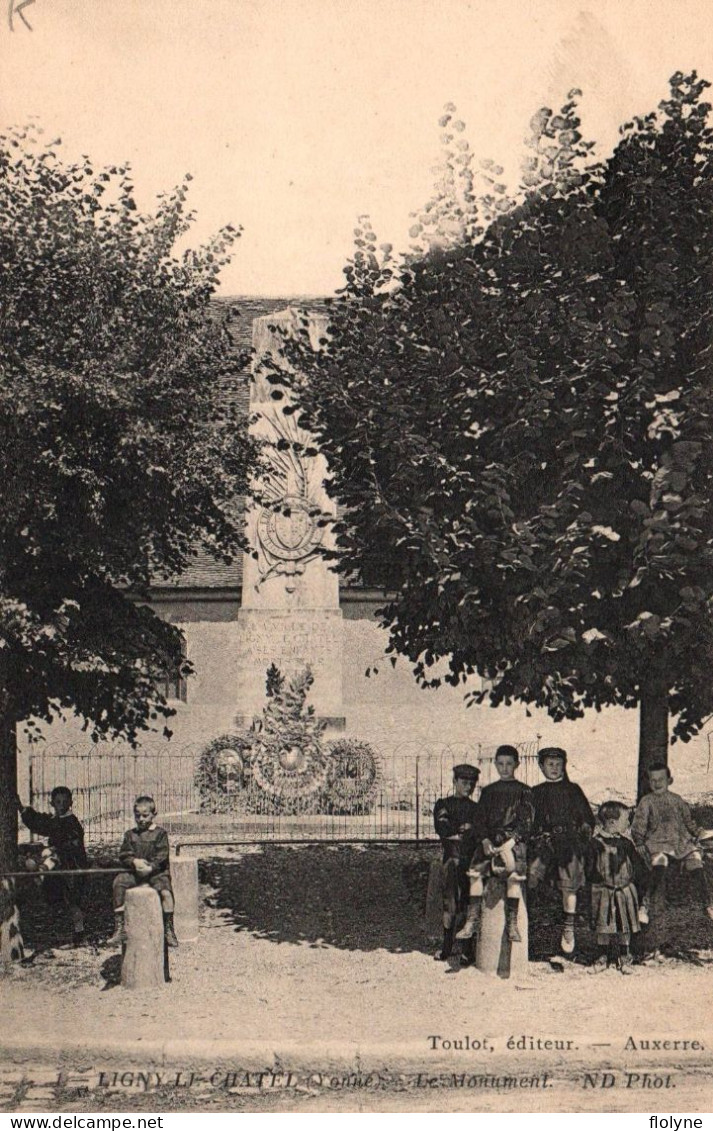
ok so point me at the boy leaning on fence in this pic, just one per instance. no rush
(144, 854)
(65, 852)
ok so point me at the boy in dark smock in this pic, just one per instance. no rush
(455, 820)
(561, 829)
(144, 853)
(505, 815)
(65, 836)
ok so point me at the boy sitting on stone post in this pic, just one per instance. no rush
(144, 853)
(663, 830)
(505, 812)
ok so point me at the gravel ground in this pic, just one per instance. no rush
(323, 948)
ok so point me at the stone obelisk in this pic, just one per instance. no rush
(290, 613)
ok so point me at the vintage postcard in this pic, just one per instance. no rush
(355, 592)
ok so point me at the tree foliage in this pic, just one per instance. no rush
(118, 452)
(517, 420)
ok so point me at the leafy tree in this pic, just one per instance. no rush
(517, 421)
(119, 452)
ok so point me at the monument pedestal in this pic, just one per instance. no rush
(293, 640)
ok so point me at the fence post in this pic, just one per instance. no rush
(418, 806)
(31, 788)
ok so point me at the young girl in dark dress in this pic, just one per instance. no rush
(617, 875)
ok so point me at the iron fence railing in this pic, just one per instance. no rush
(225, 801)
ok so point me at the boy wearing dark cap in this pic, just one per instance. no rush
(455, 820)
(561, 829)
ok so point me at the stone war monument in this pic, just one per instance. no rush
(290, 613)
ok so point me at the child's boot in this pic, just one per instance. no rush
(600, 963)
(168, 929)
(119, 936)
(447, 949)
(467, 953)
(625, 962)
(567, 940)
(512, 904)
(472, 919)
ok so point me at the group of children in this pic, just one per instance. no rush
(143, 855)
(527, 836)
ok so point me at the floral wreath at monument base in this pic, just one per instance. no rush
(282, 766)
(290, 772)
(223, 773)
(352, 776)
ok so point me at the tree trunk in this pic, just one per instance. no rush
(11, 946)
(653, 729)
(8, 793)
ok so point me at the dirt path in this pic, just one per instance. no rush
(317, 958)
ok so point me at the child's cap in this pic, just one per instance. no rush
(467, 772)
(552, 752)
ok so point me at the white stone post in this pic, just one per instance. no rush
(143, 967)
(184, 879)
(495, 953)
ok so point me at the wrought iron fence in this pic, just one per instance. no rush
(223, 801)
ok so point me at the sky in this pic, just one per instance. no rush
(296, 116)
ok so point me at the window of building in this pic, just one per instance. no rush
(170, 681)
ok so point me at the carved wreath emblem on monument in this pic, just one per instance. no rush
(289, 531)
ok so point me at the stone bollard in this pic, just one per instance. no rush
(495, 953)
(184, 879)
(143, 964)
